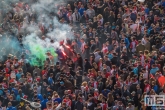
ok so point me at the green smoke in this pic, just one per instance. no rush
(38, 50)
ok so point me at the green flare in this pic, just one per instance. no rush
(52, 51)
(39, 54)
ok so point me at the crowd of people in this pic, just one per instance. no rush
(115, 57)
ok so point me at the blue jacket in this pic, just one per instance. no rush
(15, 91)
(1, 92)
(163, 4)
(58, 100)
(43, 103)
(135, 71)
(147, 10)
(154, 70)
(18, 97)
(11, 108)
(81, 11)
(18, 76)
(39, 96)
(50, 81)
(162, 49)
(133, 17)
(105, 92)
(127, 42)
(110, 56)
(155, 88)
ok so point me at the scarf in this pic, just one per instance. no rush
(104, 106)
(68, 102)
(96, 94)
(142, 59)
(147, 88)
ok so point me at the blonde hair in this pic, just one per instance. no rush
(99, 16)
(100, 97)
(84, 83)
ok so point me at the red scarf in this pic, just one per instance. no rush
(127, 82)
(68, 102)
(147, 87)
(147, 66)
(96, 94)
(43, 72)
(100, 64)
(95, 84)
(6, 70)
(104, 106)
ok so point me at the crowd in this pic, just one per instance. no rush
(115, 57)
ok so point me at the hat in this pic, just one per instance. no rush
(61, 82)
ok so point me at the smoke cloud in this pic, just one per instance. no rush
(33, 39)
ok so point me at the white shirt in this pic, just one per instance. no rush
(145, 75)
(82, 47)
(143, 41)
(91, 13)
(133, 27)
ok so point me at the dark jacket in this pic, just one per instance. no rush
(84, 19)
(111, 19)
(91, 107)
(92, 48)
(139, 48)
(69, 85)
(61, 90)
(132, 88)
(114, 60)
(80, 62)
(78, 106)
(87, 53)
(87, 66)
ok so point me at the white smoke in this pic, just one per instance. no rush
(31, 31)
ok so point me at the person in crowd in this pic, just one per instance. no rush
(110, 56)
